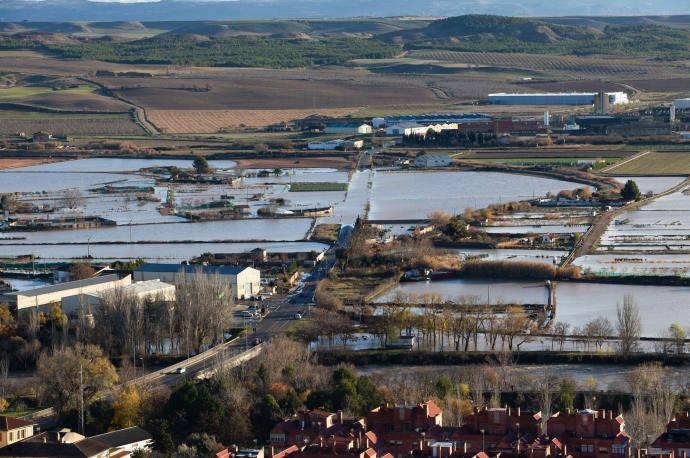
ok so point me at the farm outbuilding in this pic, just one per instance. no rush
(432, 160)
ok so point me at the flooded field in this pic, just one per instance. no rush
(635, 264)
(654, 185)
(413, 195)
(577, 303)
(544, 256)
(608, 377)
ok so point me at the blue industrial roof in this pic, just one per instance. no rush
(187, 268)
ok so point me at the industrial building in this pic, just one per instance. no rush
(408, 128)
(245, 282)
(149, 289)
(432, 160)
(41, 297)
(332, 145)
(348, 129)
(562, 98)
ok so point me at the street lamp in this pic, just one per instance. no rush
(88, 247)
(483, 447)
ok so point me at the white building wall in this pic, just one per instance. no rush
(25, 302)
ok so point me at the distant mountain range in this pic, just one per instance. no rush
(173, 10)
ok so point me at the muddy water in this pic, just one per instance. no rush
(577, 303)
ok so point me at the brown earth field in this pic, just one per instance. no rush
(662, 84)
(212, 121)
(575, 86)
(335, 162)
(239, 92)
(14, 162)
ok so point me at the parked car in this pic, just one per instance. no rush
(298, 316)
(248, 314)
(181, 370)
(256, 341)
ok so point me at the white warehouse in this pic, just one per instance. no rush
(150, 289)
(245, 282)
(556, 98)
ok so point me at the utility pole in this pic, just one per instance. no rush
(81, 399)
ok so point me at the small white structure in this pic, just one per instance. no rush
(348, 129)
(378, 122)
(432, 160)
(245, 282)
(332, 145)
(149, 289)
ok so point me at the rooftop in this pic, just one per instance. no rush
(68, 285)
(10, 423)
(123, 437)
(190, 269)
(142, 287)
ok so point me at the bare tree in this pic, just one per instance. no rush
(547, 383)
(629, 325)
(72, 199)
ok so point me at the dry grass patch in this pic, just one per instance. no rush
(15, 163)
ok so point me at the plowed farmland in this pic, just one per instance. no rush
(212, 121)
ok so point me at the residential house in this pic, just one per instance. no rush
(127, 439)
(64, 443)
(675, 441)
(14, 430)
(590, 433)
(497, 430)
(245, 282)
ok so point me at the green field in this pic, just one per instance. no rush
(656, 164)
(22, 92)
(316, 187)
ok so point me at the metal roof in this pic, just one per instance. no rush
(68, 285)
(192, 268)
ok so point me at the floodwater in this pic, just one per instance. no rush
(151, 252)
(541, 229)
(635, 264)
(542, 256)
(293, 229)
(113, 165)
(654, 185)
(607, 377)
(414, 195)
(577, 303)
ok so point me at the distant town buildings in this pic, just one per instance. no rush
(149, 289)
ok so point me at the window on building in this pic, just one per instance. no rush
(11, 435)
(585, 448)
(618, 449)
(603, 450)
(399, 442)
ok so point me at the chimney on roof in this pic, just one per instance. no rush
(340, 417)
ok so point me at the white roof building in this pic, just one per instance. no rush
(433, 160)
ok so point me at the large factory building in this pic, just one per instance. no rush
(563, 98)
